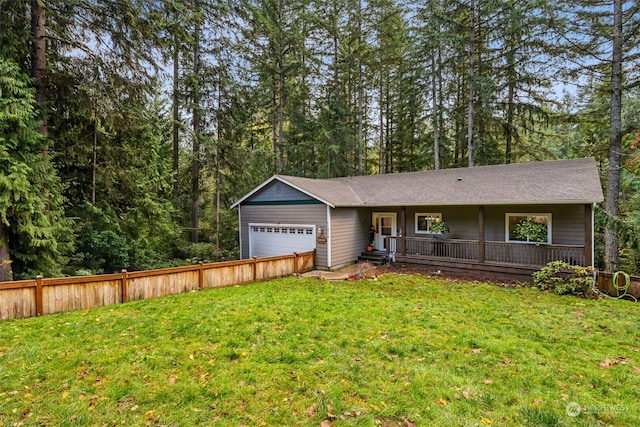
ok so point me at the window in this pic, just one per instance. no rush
(528, 227)
(424, 221)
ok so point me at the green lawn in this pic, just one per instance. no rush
(401, 351)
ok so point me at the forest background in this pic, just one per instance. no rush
(128, 128)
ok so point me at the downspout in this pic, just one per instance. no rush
(329, 239)
(240, 230)
(481, 225)
(593, 240)
(593, 248)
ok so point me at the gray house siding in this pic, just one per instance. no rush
(463, 221)
(278, 192)
(349, 234)
(567, 221)
(312, 214)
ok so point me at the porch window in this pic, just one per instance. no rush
(425, 220)
(528, 227)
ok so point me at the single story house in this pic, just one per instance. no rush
(484, 207)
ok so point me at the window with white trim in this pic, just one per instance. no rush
(528, 228)
(425, 220)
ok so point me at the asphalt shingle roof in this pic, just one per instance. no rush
(552, 182)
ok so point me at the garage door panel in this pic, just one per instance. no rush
(275, 239)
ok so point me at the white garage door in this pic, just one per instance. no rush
(278, 239)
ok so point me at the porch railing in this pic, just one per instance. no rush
(495, 252)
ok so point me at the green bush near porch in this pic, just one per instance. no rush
(402, 350)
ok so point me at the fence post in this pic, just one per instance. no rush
(255, 268)
(39, 310)
(295, 263)
(124, 286)
(201, 276)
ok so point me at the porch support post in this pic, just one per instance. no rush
(403, 230)
(481, 234)
(588, 235)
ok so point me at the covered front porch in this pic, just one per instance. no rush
(494, 259)
(499, 260)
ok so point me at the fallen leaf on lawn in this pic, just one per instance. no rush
(606, 363)
(311, 410)
(410, 423)
(486, 421)
(92, 405)
(636, 369)
(564, 396)
(442, 401)
(467, 394)
(476, 350)
(487, 381)
(65, 394)
(171, 379)
(327, 423)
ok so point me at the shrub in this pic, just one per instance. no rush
(565, 279)
(100, 251)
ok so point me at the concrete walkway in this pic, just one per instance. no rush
(364, 268)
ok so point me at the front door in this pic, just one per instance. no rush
(385, 225)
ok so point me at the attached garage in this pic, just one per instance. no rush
(280, 239)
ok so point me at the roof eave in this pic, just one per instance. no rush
(473, 203)
(284, 181)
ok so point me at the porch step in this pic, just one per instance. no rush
(375, 258)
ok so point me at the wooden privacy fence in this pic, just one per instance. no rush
(27, 298)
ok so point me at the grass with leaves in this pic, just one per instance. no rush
(405, 350)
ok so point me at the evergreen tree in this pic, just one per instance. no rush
(602, 40)
(32, 225)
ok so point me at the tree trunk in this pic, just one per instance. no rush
(615, 142)
(471, 75)
(434, 96)
(281, 77)
(197, 131)
(6, 275)
(175, 128)
(94, 164)
(39, 62)
(360, 92)
(381, 163)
